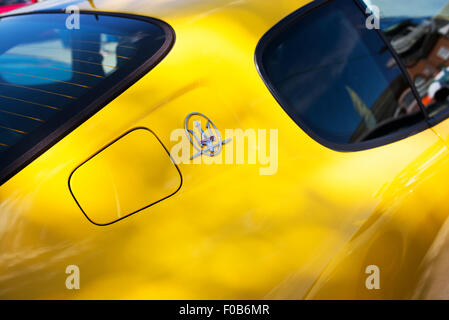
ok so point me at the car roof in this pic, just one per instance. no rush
(268, 12)
(184, 7)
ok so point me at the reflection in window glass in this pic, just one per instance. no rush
(31, 57)
(337, 79)
(419, 32)
(48, 73)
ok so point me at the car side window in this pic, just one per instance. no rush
(419, 33)
(337, 79)
(53, 78)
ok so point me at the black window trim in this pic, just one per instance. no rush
(42, 145)
(360, 146)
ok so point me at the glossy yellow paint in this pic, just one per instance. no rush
(309, 231)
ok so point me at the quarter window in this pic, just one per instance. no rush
(337, 79)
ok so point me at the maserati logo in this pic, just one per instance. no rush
(206, 141)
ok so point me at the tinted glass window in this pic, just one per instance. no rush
(336, 78)
(49, 74)
(12, 2)
(419, 32)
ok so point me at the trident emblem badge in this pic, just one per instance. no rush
(207, 141)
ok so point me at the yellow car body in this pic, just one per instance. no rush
(307, 232)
